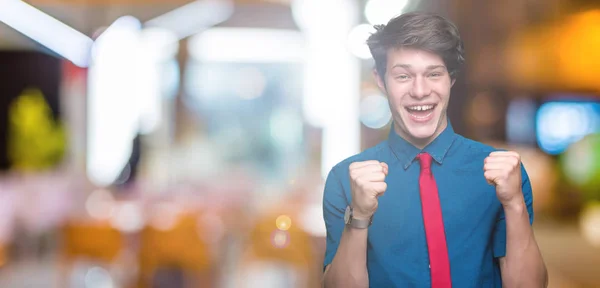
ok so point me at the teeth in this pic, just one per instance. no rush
(421, 107)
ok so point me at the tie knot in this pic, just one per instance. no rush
(425, 160)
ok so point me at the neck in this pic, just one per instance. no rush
(421, 143)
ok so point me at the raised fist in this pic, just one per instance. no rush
(367, 182)
(503, 170)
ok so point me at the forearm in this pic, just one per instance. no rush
(523, 263)
(349, 266)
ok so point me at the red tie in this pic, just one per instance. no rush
(434, 226)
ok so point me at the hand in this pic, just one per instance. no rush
(367, 182)
(503, 170)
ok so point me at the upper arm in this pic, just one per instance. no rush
(334, 206)
(499, 240)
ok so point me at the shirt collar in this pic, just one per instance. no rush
(406, 152)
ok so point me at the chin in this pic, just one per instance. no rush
(422, 132)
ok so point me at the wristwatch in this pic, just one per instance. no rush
(356, 223)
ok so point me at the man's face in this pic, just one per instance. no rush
(418, 88)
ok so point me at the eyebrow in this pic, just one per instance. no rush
(408, 67)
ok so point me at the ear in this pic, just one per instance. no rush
(380, 81)
(452, 82)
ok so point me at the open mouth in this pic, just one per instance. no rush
(421, 112)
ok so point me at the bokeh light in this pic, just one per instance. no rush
(100, 204)
(128, 217)
(590, 223)
(520, 121)
(98, 277)
(381, 11)
(577, 44)
(581, 164)
(283, 222)
(357, 41)
(164, 216)
(280, 239)
(560, 124)
(251, 83)
(375, 111)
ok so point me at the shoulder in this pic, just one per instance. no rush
(475, 151)
(468, 155)
(473, 147)
(470, 150)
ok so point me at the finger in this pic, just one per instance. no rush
(491, 176)
(373, 168)
(510, 161)
(498, 158)
(357, 165)
(497, 166)
(380, 188)
(505, 153)
(384, 165)
(372, 177)
(386, 168)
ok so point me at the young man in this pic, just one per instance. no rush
(427, 207)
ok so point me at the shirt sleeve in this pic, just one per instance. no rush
(499, 240)
(334, 206)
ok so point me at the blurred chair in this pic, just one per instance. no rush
(291, 246)
(276, 257)
(96, 242)
(177, 248)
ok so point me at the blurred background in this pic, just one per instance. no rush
(155, 143)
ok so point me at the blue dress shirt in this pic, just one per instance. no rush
(474, 222)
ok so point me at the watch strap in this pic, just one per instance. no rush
(356, 223)
(361, 223)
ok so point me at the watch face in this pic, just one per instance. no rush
(347, 215)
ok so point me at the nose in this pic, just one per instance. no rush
(420, 88)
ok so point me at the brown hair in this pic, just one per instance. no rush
(424, 31)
